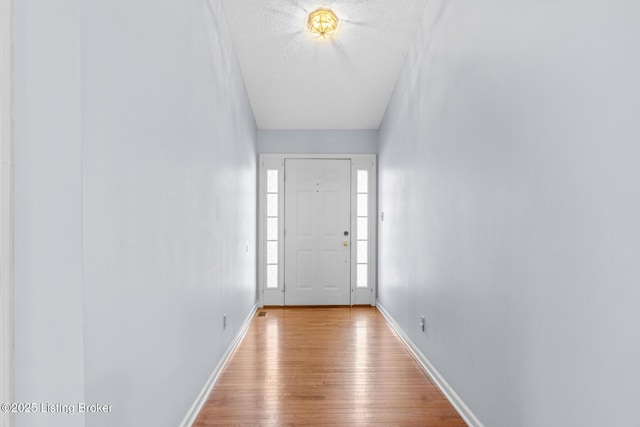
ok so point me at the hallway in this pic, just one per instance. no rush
(504, 146)
(340, 366)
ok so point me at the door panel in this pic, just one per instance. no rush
(317, 213)
(304, 214)
(330, 201)
(304, 269)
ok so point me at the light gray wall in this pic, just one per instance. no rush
(318, 141)
(135, 210)
(49, 359)
(509, 183)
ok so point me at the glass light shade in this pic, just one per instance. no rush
(322, 23)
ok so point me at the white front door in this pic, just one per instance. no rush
(317, 215)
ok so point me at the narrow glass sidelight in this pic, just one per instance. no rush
(272, 276)
(272, 229)
(272, 205)
(363, 182)
(272, 181)
(363, 228)
(363, 205)
(363, 280)
(272, 252)
(362, 232)
(363, 251)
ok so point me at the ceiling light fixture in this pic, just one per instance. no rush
(322, 23)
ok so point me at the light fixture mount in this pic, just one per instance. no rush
(322, 23)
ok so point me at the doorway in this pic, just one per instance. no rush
(317, 230)
(317, 218)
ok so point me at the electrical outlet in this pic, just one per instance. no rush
(224, 321)
(422, 323)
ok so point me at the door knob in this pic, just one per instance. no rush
(345, 243)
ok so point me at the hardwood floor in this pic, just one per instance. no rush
(324, 366)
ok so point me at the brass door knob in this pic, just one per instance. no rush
(345, 243)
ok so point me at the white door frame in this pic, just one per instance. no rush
(6, 209)
(276, 161)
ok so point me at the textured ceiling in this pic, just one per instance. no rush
(296, 81)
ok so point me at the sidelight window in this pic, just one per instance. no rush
(362, 232)
(272, 228)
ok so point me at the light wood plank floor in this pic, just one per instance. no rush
(324, 366)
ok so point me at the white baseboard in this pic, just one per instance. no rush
(455, 400)
(191, 416)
